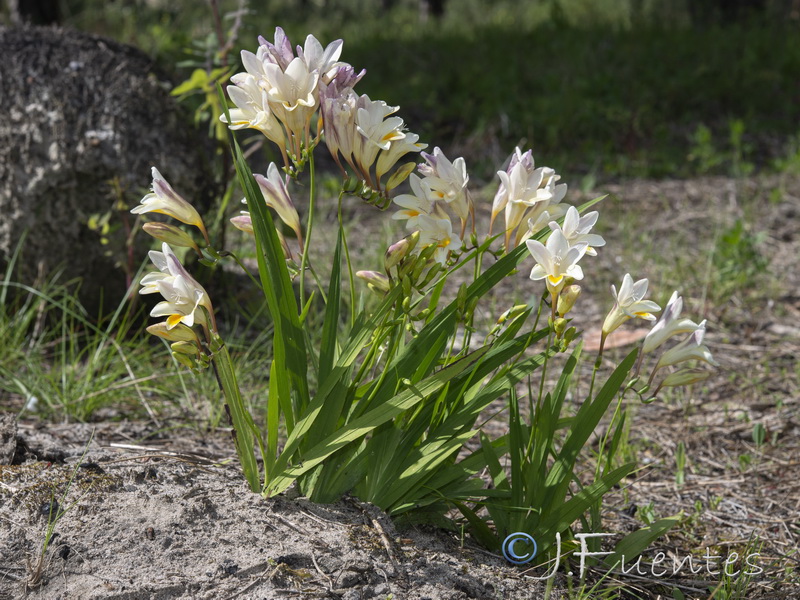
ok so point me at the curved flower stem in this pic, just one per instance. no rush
(604, 441)
(597, 363)
(475, 276)
(244, 430)
(255, 281)
(544, 371)
(349, 263)
(318, 282)
(304, 259)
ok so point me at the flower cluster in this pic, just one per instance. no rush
(279, 93)
(363, 134)
(442, 189)
(530, 193)
(186, 304)
(557, 264)
(630, 304)
(557, 260)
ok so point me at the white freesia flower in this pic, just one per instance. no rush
(377, 132)
(556, 260)
(448, 181)
(692, 348)
(252, 108)
(184, 298)
(525, 191)
(669, 324)
(293, 95)
(520, 166)
(276, 196)
(439, 232)
(164, 200)
(576, 229)
(414, 205)
(322, 60)
(629, 304)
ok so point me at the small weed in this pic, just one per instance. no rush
(759, 435)
(736, 263)
(54, 510)
(647, 513)
(680, 465)
(734, 585)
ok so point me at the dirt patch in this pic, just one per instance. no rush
(169, 520)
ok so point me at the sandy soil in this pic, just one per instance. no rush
(167, 520)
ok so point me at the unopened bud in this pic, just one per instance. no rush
(461, 297)
(559, 326)
(244, 223)
(377, 281)
(395, 253)
(352, 184)
(419, 267)
(412, 240)
(185, 360)
(179, 333)
(406, 282)
(427, 252)
(432, 272)
(175, 236)
(400, 175)
(471, 306)
(406, 304)
(566, 300)
(512, 313)
(187, 348)
(685, 377)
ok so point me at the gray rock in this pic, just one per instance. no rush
(83, 120)
(8, 437)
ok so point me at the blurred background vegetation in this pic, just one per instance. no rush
(602, 90)
(605, 89)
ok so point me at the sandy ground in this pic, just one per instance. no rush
(166, 520)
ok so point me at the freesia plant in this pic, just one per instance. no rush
(382, 403)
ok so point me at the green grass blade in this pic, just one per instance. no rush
(242, 425)
(566, 513)
(289, 348)
(273, 417)
(633, 544)
(327, 350)
(583, 425)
